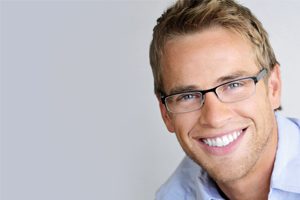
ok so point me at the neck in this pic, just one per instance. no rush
(255, 184)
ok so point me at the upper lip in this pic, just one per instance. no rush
(219, 133)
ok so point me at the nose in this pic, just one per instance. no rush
(214, 113)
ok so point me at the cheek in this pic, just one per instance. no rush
(184, 123)
(259, 101)
(246, 108)
(257, 108)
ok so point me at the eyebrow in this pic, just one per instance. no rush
(220, 80)
(233, 76)
(181, 89)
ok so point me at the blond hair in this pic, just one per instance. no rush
(190, 16)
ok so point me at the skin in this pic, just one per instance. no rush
(204, 60)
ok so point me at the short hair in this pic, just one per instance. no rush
(191, 16)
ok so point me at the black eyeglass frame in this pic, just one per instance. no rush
(256, 78)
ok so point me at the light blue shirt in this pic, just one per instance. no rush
(191, 182)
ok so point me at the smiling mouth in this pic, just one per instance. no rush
(224, 140)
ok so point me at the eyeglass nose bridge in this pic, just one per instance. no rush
(204, 92)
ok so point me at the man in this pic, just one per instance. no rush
(218, 85)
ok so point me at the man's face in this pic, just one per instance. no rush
(202, 61)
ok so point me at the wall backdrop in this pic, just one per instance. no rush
(79, 120)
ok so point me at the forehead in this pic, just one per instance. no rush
(200, 59)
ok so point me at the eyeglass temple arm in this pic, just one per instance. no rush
(261, 74)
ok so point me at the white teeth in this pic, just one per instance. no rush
(222, 141)
(225, 140)
(234, 135)
(209, 142)
(213, 142)
(219, 142)
(230, 137)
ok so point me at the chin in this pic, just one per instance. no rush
(224, 171)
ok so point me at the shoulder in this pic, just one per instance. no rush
(286, 172)
(288, 129)
(296, 122)
(284, 122)
(182, 183)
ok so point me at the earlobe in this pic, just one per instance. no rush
(166, 117)
(274, 84)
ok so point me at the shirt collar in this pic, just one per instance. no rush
(286, 172)
(207, 188)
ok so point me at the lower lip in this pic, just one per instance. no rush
(221, 151)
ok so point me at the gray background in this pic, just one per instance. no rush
(78, 116)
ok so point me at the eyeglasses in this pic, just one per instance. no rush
(229, 92)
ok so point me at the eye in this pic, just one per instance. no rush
(235, 84)
(188, 97)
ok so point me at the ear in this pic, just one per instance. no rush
(166, 116)
(274, 85)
